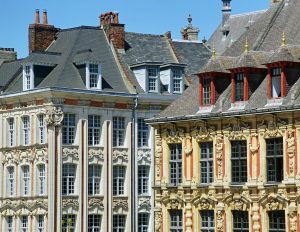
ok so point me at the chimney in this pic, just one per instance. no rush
(113, 29)
(190, 32)
(168, 35)
(40, 35)
(226, 11)
(7, 54)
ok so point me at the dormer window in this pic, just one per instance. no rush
(177, 80)
(206, 91)
(239, 87)
(152, 74)
(276, 82)
(28, 77)
(93, 76)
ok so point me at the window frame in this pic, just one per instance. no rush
(175, 161)
(206, 89)
(239, 161)
(40, 223)
(143, 179)
(143, 222)
(119, 131)
(41, 129)
(91, 73)
(119, 180)
(68, 180)
(41, 179)
(206, 163)
(207, 225)
(9, 223)
(119, 223)
(278, 160)
(26, 180)
(152, 79)
(176, 225)
(239, 87)
(276, 74)
(11, 181)
(25, 223)
(94, 130)
(175, 78)
(94, 181)
(11, 132)
(271, 216)
(143, 133)
(68, 227)
(69, 129)
(26, 130)
(240, 221)
(92, 218)
(28, 77)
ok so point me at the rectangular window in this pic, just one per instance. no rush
(143, 222)
(118, 131)
(276, 82)
(68, 223)
(176, 221)
(94, 76)
(94, 129)
(274, 160)
(240, 221)
(42, 129)
(11, 181)
(94, 223)
(24, 221)
(277, 221)
(143, 179)
(206, 91)
(207, 221)
(68, 129)
(10, 223)
(143, 133)
(11, 132)
(26, 130)
(152, 79)
(119, 223)
(41, 179)
(118, 180)
(239, 87)
(68, 179)
(41, 223)
(27, 79)
(239, 161)
(94, 179)
(175, 163)
(26, 180)
(177, 80)
(206, 162)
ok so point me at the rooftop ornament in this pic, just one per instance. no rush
(283, 41)
(246, 46)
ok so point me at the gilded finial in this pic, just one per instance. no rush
(283, 41)
(214, 53)
(246, 45)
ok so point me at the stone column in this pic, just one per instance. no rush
(54, 117)
(256, 217)
(188, 213)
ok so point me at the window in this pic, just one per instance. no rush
(118, 131)
(143, 179)
(239, 161)
(11, 132)
(177, 80)
(143, 133)
(28, 77)
(68, 223)
(239, 87)
(94, 76)
(152, 79)
(68, 180)
(41, 179)
(206, 91)
(176, 221)
(41, 223)
(94, 223)
(175, 163)
(26, 180)
(94, 179)
(240, 221)
(68, 130)
(274, 160)
(119, 222)
(94, 129)
(143, 222)
(26, 130)
(24, 223)
(42, 129)
(9, 223)
(207, 221)
(276, 82)
(11, 181)
(277, 221)
(206, 162)
(118, 180)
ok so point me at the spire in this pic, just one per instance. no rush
(246, 46)
(226, 11)
(283, 41)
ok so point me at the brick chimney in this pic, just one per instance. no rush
(41, 35)
(113, 29)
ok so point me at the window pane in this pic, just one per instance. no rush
(175, 163)
(207, 221)
(206, 91)
(118, 131)
(143, 179)
(176, 221)
(239, 87)
(239, 161)
(274, 160)
(118, 180)
(143, 133)
(143, 222)
(277, 221)
(240, 221)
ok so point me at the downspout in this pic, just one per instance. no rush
(133, 165)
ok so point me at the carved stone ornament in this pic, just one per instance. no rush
(70, 202)
(253, 149)
(238, 204)
(158, 156)
(10, 158)
(173, 135)
(26, 156)
(41, 155)
(270, 129)
(220, 221)
(273, 204)
(96, 153)
(72, 152)
(158, 221)
(144, 203)
(120, 153)
(144, 155)
(219, 154)
(202, 133)
(290, 140)
(96, 202)
(293, 221)
(54, 116)
(120, 203)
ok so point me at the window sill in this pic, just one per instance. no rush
(274, 102)
(205, 109)
(238, 105)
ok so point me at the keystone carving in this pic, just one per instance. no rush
(120, 154)
(120, 203)
(54, 116)
(96, 202)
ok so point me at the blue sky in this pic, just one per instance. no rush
(152, 16)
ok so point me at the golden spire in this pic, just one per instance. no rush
(283, 41)
(214, 53)
(246, 46)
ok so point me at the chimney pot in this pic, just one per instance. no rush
(37, 16)
(45, 17)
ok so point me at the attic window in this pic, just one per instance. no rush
(206, 91)
(239, 87)
(225, 33)
(177, 81)
(152, 79)
(276, 82)
(93, 76)
(28, 77)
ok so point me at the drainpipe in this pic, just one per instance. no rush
(133, 165)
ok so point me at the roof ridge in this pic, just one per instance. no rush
(146, 34)
(248, 13)
(80, 28)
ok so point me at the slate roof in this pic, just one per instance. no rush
(237, 25)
